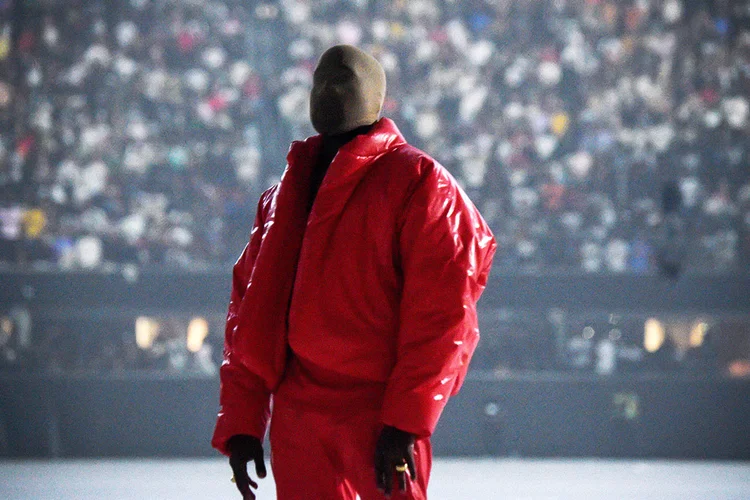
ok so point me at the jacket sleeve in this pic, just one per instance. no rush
(244, 398)
(446, 251)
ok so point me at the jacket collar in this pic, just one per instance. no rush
(383, 136)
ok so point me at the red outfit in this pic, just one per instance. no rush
(362, 314)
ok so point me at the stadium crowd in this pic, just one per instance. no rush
(143, 131)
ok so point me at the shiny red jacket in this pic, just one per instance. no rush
(378, 284)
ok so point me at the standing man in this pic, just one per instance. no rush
(353, 305)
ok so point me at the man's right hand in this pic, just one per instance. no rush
(242, 449)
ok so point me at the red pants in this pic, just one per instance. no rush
(323, 442)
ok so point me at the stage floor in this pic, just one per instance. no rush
(452, 479)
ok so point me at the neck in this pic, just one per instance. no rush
(332, 143)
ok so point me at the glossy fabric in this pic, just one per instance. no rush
(374, 293)
(329, 454)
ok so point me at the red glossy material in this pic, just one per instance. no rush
(373, 295)
(338, 450)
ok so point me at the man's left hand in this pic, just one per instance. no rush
(394, 453)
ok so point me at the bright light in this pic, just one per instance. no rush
(588, 333)
(697, 333)
(146, 330)
(196, 333)
(653, 335)
(6, 325)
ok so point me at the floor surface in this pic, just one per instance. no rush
(464, 479)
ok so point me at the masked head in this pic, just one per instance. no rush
(348, 90)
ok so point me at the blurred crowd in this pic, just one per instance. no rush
(58, 344)
(143, 131)
(517, 341)
(609, 344)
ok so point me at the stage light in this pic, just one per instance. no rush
(146, 330)
(697, 333)
(196, 333)
(653, 335)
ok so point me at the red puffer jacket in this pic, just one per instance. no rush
(379, 284)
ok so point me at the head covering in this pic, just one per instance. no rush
(348, 90)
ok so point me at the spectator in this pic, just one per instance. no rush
(146, 126)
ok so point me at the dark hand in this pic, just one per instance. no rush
(242, 449)
(395, 448)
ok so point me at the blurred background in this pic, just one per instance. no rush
(606, 142)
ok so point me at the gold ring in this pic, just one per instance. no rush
(401, 468)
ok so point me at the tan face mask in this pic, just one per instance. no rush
(348, 90)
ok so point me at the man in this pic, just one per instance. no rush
(354, 304)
